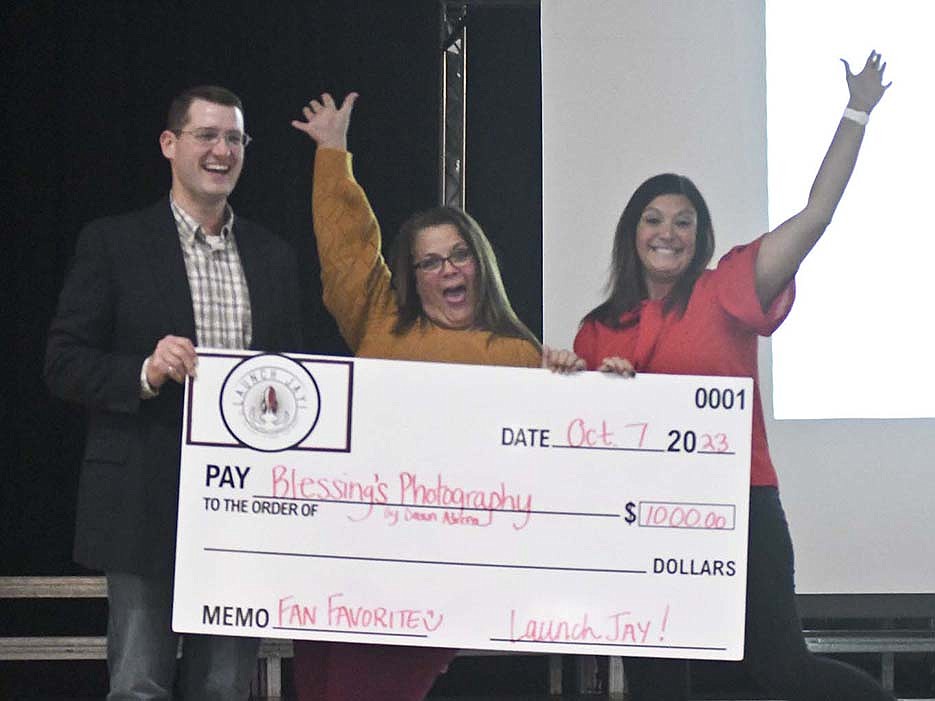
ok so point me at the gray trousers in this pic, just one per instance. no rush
(142, 649)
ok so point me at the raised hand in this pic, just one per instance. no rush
(866, 88)
(325, 122)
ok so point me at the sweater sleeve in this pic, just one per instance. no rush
(355, 278)
(527, 356)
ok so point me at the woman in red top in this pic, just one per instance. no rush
(667, 313)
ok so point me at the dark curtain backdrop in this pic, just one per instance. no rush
(86, 86)
(504, 146)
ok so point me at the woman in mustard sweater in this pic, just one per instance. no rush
(446, 303)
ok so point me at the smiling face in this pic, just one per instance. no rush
(665, 241)
(449, 294)
(203, 176)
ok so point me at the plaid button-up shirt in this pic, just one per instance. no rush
(220, 298)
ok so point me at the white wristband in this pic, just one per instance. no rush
(856, 116)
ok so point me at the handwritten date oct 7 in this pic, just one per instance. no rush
(580, 433)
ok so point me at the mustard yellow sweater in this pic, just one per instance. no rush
(357, 288)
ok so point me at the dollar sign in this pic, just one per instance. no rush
(631, 516)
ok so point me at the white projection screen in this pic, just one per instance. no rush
(632, 88)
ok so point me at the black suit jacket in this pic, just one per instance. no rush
(126, 289)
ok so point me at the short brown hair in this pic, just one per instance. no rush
(178, 109)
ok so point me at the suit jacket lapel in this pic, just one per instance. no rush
(256, 272)
(166, 265)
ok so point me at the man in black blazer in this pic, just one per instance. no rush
(143, 290)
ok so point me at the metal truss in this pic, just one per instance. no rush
(451, 149)
(453, 98)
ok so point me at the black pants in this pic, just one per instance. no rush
(775, 653)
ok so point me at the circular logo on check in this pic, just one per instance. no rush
(270, 402)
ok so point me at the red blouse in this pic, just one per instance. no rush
(717, 335)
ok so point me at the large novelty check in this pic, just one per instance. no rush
(464, 506)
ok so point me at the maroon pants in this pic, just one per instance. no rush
(325, 671)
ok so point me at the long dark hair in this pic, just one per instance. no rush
(627, 284)
(494, 313)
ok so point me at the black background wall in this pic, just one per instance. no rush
(85, 88)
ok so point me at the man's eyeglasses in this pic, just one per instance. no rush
(210, 137)
(433, 263)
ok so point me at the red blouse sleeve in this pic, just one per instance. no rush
(735, 280)
(585, 345)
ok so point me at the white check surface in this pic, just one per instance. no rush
(472, 507)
